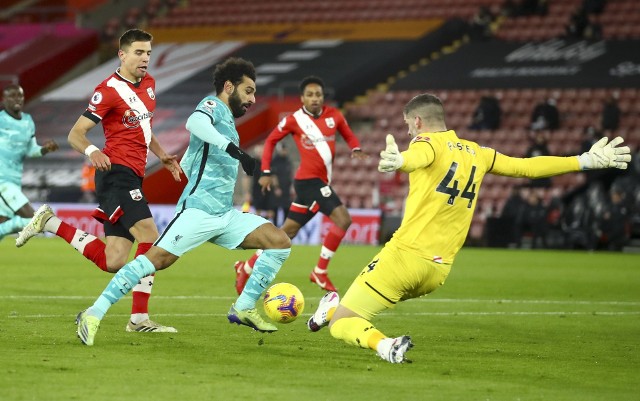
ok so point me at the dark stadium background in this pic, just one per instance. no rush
(374, 56)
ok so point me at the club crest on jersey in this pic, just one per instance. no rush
(331, 123)
(151, 94)
(136, 194)
(96, 98)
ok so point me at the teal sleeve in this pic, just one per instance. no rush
(34, 149)
(201, 125)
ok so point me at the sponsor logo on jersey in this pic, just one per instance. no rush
(421, 138)
(331, 123)
(96, 98)
(132, 118)
(136, 194)
(151, 94)
(310, 143)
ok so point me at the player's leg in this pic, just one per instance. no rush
(243, 270)
(88, 321)
(45, 220)
(139, 223)
(108, 194)
(392, 276)
(330, 205)
(350, 319)
(300, 215)
(15, 209)
(357, 330)
(177, 239)
(248, 231)
(341, 222)
(145, 233)
(13, 225)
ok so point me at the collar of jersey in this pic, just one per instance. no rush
(305, 111)
(136, 84)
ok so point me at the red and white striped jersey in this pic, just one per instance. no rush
(125, 110)
(315, 138)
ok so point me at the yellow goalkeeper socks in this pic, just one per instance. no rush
(357, 331)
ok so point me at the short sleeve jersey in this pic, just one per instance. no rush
(315, 138)
(125, 110)
(211, 171)
(17, 141)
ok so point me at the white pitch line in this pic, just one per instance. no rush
(423, 299)
(387, 314)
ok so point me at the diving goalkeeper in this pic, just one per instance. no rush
(445, 175)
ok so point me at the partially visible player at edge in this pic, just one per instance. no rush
(445, 174)
(205, 211)
(313, 128)
(17, 142)
(124, 103)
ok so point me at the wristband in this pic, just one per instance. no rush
(265, 173)
(90, 149)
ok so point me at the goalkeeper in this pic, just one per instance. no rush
(445, 174)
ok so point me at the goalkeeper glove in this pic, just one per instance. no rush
(604, 155)
(390, 158)
(249, 164)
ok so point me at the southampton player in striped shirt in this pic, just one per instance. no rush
(124, 103)
(313, 128)
(445, 174)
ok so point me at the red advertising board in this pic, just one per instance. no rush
(364, 229)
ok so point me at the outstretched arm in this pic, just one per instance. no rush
(601, 155)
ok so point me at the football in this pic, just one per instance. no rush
(283, 303)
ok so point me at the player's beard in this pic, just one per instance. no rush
(235, 104)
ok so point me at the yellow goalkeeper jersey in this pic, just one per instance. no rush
(445, 175)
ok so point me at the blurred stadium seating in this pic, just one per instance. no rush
(372, 75)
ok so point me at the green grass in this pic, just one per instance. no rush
(507, 325)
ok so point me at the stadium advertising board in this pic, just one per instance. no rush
(556, 63)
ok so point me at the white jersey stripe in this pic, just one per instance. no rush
(132, 100)
(314, 134)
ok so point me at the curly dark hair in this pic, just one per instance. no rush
(232, 69)
(312, 79)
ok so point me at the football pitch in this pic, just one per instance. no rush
(507, 325)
